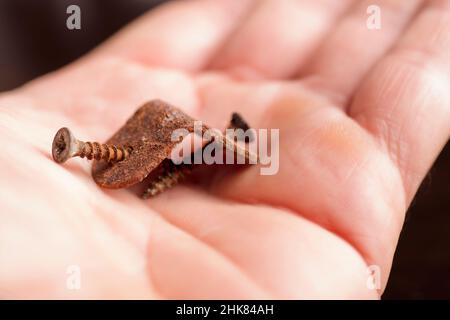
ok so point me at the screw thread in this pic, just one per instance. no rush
(166, 180)
(101, 151)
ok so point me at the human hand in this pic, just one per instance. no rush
(362, 116)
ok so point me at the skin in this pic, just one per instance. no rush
(362, 116)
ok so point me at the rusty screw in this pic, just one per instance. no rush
(172, 174)
(66, 146)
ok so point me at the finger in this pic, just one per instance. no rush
(278, 37)
(210, 275)
(181, 34)
(284, 255)
(405, 102)
(353, 48)
(329, 168)
(121, 74)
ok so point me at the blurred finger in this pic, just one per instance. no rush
(181, 34)
(278, 37)
(353, 48)
(405, 102)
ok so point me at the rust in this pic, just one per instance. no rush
(149, 133)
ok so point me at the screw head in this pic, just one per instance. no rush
(64, 145)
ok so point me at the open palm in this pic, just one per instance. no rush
(362, 115)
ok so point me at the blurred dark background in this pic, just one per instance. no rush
(34, 40)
